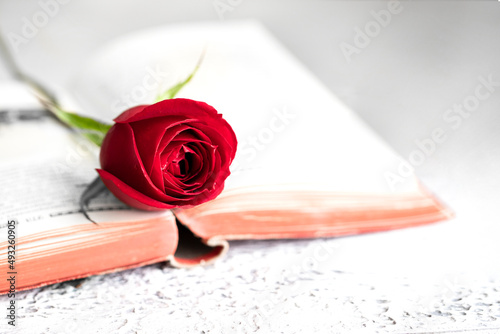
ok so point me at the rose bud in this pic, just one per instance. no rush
(174, 153)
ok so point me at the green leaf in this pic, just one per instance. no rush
(81, 122)
(90, 128)
(95, 137)
(172, 92)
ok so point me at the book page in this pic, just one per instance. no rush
(292, 133)
(44, 170)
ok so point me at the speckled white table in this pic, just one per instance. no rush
(264, 287)
(441, 278)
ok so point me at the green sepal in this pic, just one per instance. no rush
(81, 122)
(95, 137)
(90, 128)
(172, 92)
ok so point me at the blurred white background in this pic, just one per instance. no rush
(426, 59)
(429, 57)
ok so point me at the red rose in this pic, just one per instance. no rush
(174, 153)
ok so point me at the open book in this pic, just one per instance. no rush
(306, 166)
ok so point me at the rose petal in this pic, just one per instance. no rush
(119, 157)
(156, 173)
(225, 143)
(129, 195)
(200, 111)
(148, 135)
(205, 151)
(176, 152)
(129, 113)
(171, 107)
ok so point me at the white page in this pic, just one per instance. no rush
(316, 144)
(44, 169)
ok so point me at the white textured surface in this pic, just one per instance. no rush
(438, 278)
(261, 287)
